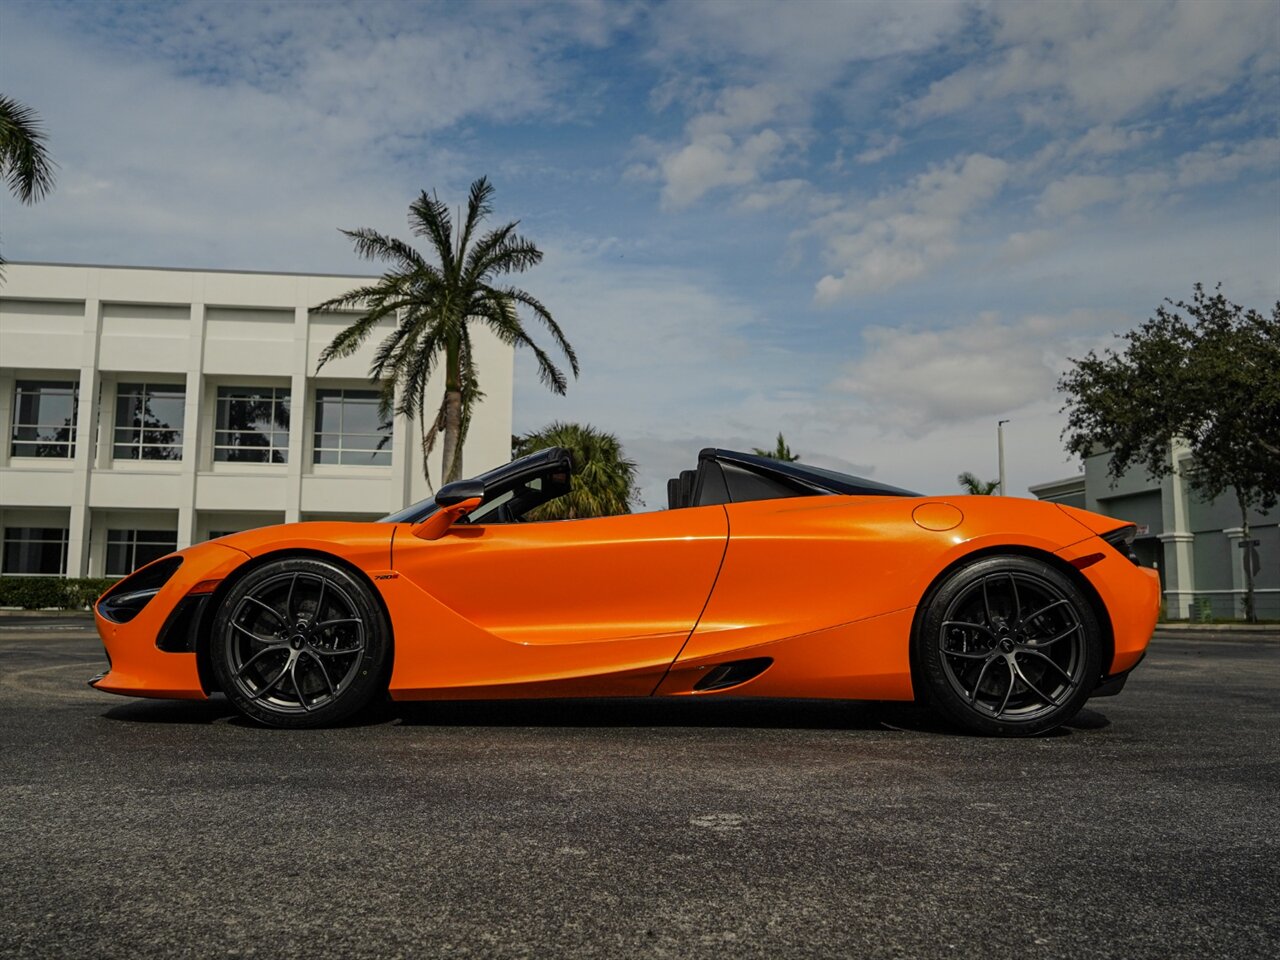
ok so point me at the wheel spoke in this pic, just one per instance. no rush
(258, 656)
(968, 655)
(323, 672)
(986, 603)
(1017, 603)
(1005, 702)
(1062, 636)
(968, 626)
(270, 609)
(251, 634)
(1032, 618)
(1034, 689)
(330, 623)
(288, 601)
(293, 675)
(339, 652)
(320, 599)
(278, 677)
(1049, 660)
(973, 694)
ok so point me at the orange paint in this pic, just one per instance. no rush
(825, 586)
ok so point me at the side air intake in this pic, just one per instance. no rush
(732, 674)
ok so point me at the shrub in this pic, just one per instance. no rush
(63, 593)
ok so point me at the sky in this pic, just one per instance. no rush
(877, 227)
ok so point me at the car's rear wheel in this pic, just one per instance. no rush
(1008, 646)
(299, 642)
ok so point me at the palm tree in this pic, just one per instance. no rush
(24, 162)
(970, 484)
(603, 482)
(436, 306)
(780, 452)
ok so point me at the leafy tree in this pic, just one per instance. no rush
(603, 482)
(970, 484)
(24, 161)
(780, 452)
(436, 307)
(1209, 379)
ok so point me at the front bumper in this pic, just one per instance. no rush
(137, 666)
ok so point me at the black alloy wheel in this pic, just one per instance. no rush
(1009, 646)
(299, 642)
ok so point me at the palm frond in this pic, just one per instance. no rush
(24, 160)
(512, 255)
(372, 245)
(478, 207)
(428, 217)
(541, 312)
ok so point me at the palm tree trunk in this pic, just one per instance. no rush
(451, 468)
(426, 447)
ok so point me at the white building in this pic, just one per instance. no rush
(148, 409)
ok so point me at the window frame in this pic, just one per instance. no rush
(131, 539)
(63, 543)
(16, 424)
(140, 446)
(274, 454)
(383, 450)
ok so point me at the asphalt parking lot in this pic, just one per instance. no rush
(639, 828)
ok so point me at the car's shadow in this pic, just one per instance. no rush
(728, 713)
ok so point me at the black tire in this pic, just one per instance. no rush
(300, 642)
(1007, 646)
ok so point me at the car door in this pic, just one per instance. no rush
(570, 607)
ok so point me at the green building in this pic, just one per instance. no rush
(1197, 546)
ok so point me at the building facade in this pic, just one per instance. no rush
(148, 409)
(1199, 547)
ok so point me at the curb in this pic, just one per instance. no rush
(1264, 628)
(18, 612)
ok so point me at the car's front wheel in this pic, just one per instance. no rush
(299, 642)
(1008, 645)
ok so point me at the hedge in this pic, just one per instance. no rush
(62, 593)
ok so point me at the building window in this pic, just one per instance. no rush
(349, 430)
(149, 419)
(252, 425)
(35, 550)
(127, 550)
(44, 418)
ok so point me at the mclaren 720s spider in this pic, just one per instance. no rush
(762, 579)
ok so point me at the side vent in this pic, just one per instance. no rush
(731, 674)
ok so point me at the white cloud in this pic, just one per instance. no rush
(881, 151)
(808, 41)
(917, 381)
(1107, 139)
(1076, 192)
(901, 235)
(715, 160)
(1109, 61)
(1212, 163)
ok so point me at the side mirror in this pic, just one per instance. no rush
(438, 524)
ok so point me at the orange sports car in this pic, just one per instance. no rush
(763, 579)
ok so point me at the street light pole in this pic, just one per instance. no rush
(1000, 442)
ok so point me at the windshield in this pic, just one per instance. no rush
(519, 478)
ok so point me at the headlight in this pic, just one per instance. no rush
(126, 599)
